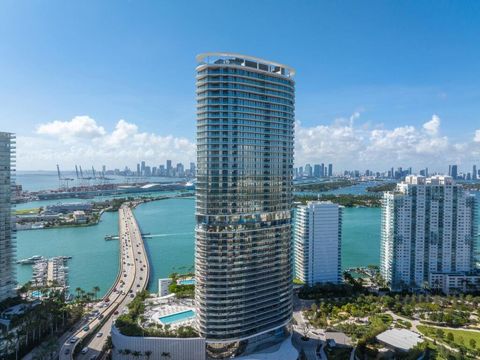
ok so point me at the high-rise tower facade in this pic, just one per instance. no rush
(243, 270)
(428, 226)
(7, 227)
(318, 243)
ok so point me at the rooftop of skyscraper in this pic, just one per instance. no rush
(226, 58)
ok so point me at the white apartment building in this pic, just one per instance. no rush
(453, 283)
(427, 226)
(7, 226)
(317, 243)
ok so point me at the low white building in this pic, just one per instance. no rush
(163, 285)
(317, 243)
(79, 217)
(452, 283)
(399, 339)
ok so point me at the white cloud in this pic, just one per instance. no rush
(477, 136)
(346, 142)
(319, 143)
(78, 127)
(360, 146)
(83, 141)
(433, 125)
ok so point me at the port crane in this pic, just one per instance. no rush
(100, 176)
(95, 175)
(63, 180)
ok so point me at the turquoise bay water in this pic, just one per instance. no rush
(360, 237)
(171, 248)
(94, 261)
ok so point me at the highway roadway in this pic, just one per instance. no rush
(133, 277)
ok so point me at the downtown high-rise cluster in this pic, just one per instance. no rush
(316, 171)
(165, 170)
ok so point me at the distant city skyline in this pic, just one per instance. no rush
(68, 96)
(326, 171)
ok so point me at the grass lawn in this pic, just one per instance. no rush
(458, 335)
(33, 211)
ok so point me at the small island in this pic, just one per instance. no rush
(389, 186)
(346, 200)
(324, 186)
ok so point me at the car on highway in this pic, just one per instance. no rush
(84, 350)
(100, 334)
(86, 328)
(73, 340)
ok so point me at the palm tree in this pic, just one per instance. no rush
(136, 353)
(148, 353)
(165, 354)
(96, 290)
(79, 291)
(127, 352)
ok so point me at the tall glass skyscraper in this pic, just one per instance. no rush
(243, 270)
(7, 238)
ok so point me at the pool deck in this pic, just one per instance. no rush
(178, 317)
(156, 312)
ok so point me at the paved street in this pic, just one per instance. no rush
(316, 336)
(132, 278)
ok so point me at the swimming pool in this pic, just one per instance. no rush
(186, 282)
(180, 316)
(37, 294)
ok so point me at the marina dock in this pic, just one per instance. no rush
(48, 272)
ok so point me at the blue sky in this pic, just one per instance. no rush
(387, 65)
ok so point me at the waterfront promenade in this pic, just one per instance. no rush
(132, 277)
